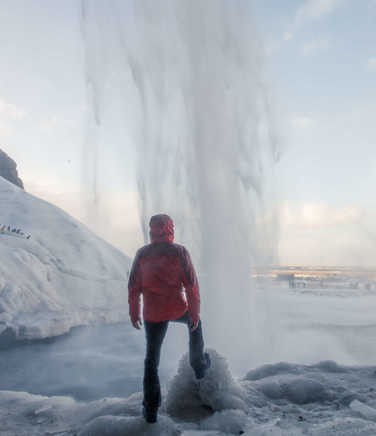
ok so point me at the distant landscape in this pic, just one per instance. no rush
(318, 276)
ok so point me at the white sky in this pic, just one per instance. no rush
(321, 60)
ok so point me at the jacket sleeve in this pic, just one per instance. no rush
(134, 290)
(191, 286)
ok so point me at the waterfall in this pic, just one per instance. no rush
(188, 77)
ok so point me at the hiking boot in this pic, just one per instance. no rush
(150, 415)
(200, 372)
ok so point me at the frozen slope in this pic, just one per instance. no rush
(63, 276)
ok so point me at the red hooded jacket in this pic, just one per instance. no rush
(163, 273)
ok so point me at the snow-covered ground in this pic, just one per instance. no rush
(280, 400)
(63, 276)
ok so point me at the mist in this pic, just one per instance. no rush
(197, 114)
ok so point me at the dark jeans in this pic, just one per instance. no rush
(155, 333)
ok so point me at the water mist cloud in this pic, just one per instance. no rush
(203, 133)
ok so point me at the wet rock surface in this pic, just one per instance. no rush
(8, 170)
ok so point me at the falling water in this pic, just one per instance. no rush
(188, 76)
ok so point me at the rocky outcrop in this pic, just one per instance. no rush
(8, 170)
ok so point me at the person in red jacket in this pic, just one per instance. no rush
(163, 273)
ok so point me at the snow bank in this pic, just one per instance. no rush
(63, 276)
(217, 391)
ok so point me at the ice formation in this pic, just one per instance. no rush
(217, 391)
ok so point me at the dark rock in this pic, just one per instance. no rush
(8, 170)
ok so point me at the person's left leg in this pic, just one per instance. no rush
(155, 333)
(199, 360)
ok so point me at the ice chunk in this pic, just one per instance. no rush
(364, 410)
(215, 392)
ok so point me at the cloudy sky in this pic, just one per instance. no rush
(321, 67)
(321, 56)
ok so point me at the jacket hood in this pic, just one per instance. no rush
(161, 228)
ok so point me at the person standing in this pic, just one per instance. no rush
(163, 273)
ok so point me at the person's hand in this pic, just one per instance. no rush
(137, 324)
(194, 325)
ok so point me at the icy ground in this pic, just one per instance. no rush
(278, 400)
(63, 276)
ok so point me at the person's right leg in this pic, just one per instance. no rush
(155, 333)
(199, 360)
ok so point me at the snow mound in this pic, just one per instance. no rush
(217, 391)
(300, 384)
(329, 366)
(125, 426)
(270, 370)
(63, 276)
(298, 390)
